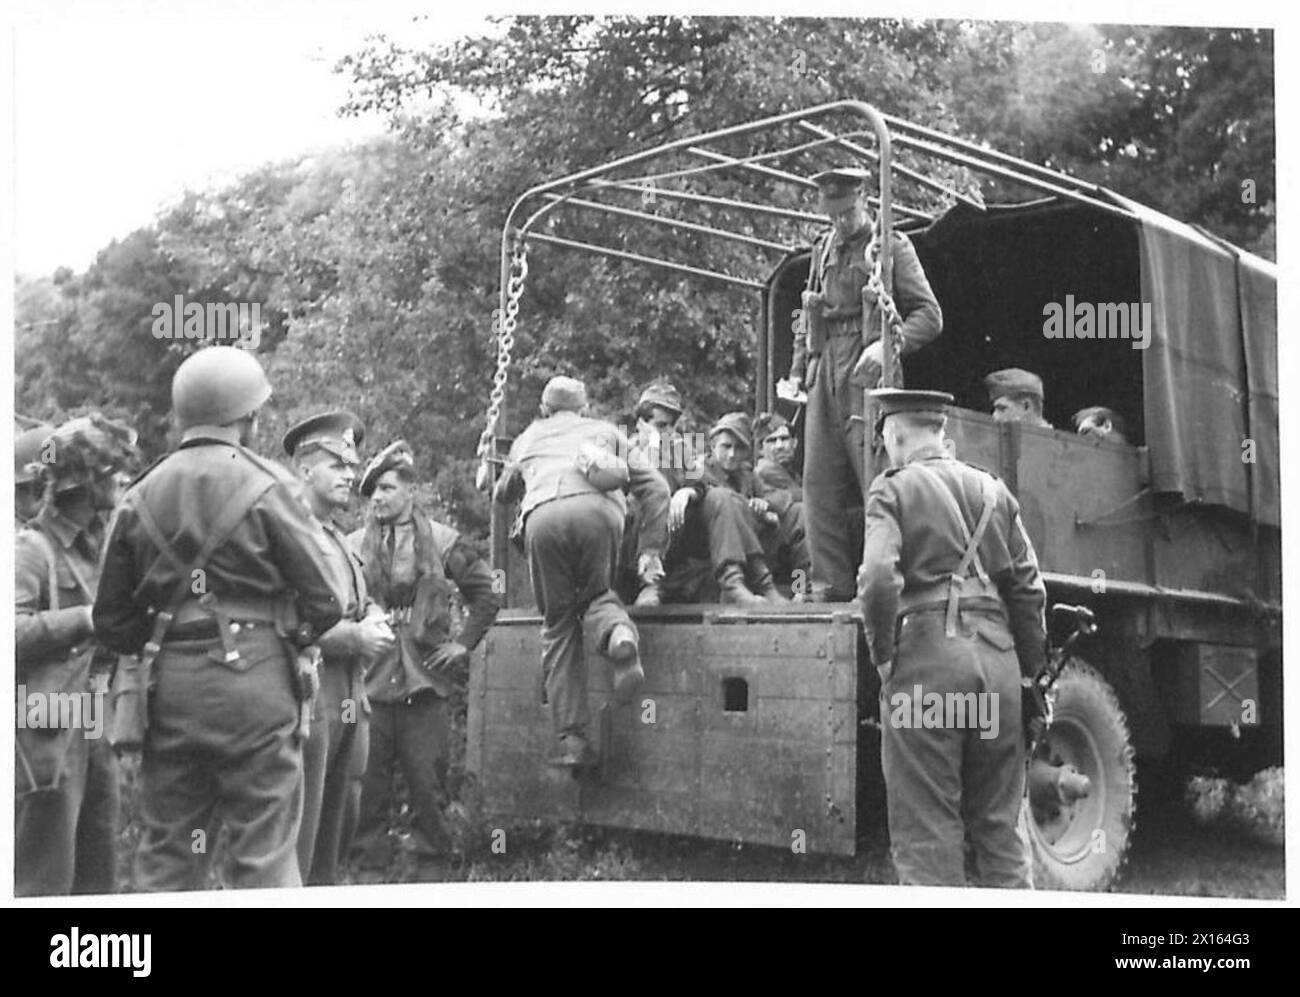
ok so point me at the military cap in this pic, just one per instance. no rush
(840, 186)
(396, 454)
(767, 424)
(88, 447)
(1015, 382)
(735, 423)
(338, 433)
(894, 401)
(1102, 414)
(662, 394)
(27, 452)
(564, 394)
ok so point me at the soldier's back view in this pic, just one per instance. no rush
(216, 573)
(953, 605)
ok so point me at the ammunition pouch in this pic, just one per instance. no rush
(814, 322)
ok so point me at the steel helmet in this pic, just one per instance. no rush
(218, 385)
(86, 448)
(27, 453)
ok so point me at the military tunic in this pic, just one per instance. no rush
(834, 435)
(334, 755)
(948, 781)
(573, 531)
(221, 745)
(411, 568)
(66, 800)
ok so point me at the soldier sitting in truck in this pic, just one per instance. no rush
(1101, 422)
(712, 548)
(1016, 396)
(778, 482)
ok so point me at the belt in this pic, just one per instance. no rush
(236, 609)
(848, 325)
(209, 629)
(974, 605)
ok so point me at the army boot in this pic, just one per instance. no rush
(763, 582)
(628, 673)
(731, 583)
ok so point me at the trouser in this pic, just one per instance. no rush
(719, 530)
(65, 836)
(785, 545)
(221, 748)
(334, 764)
(414, 735)
(573, 543)
(954, 762)
(833, 468)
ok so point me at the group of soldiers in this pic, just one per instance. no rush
(949, 583)
(275, 671)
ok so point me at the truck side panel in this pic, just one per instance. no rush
(746, 729)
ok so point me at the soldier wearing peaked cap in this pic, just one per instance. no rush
(953, 605)
(411, 562)
(66, 791)
(219, 577)
(1101, 422)
(838, 355)
(323, 450)
(568, 473)
(1016, 396)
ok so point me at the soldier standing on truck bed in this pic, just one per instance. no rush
(218, 575)
(839, 355)
(953, 605)
(569, 471)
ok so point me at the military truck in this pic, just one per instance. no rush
(763, 725)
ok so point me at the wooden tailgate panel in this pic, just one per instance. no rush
(745, 730)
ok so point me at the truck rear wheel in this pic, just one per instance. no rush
(1082, 788)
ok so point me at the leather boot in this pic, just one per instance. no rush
(623, 652)
(763, 583)
(731, 583)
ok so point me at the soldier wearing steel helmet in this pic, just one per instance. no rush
(66, 793)
(28, 489)
(953, 605)
(839, 357)
(217, 574)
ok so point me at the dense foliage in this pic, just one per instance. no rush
(376, 267)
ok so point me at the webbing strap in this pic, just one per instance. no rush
(231, 517)
(970, 557)
(47, 551)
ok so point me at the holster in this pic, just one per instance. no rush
(307, 684)
(128, 696)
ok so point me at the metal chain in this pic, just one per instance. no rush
(504, 325)
(893, 320)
